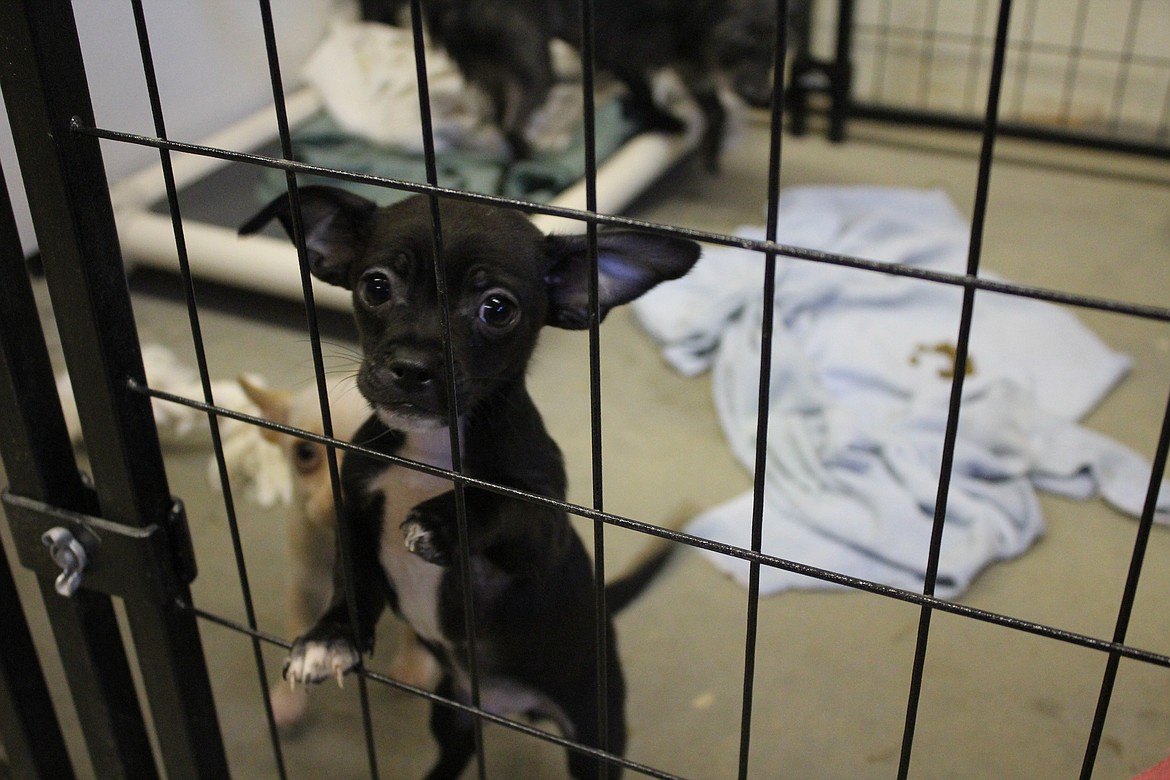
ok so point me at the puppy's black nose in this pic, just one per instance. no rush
(410, 375)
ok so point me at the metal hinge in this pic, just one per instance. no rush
(151, 562)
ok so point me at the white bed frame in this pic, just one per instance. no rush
(269, 265)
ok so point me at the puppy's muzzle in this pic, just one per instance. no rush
(407, 386)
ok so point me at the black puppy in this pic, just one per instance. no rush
(533, 597)
(502, 46)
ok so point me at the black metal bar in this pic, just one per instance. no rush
(950, 437)
(697, 542)
(974, 57)
(28, 723)
(1163, 130)
(597, 470)
(946, 121)
(1072, 69)
(463, 539)
(1158, 313)
(1144, 311)
(1121, 82)
(722, 239)
(39, 462)
(204, 375)
(130, 562)
(764, 391)
(880, 63)
(1024, 42)
(801, 25)
(930, 39)
(841, 82)
(68, 195)
(1129, 595)
(879, 109)
(1027, 42)
(38, 458)
(344, 544)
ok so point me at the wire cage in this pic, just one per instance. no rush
(83, 226)
(1085, 72)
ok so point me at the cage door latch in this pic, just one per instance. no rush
(150, 562)
(70, 555)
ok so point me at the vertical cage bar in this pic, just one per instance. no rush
(975, 56)
(881, 48)
(1129, 595)
(1149, 139)
(1121, 83)
(751, 633)
(842, 72)
(930, 39)
(204, 376)
(1025, 51)
(69, 197)
(1072, 69)
(31, 734)
(588, 71)
(1163, 131)
(39, 463)
(343, 536)
(974, 252)
(465, 574)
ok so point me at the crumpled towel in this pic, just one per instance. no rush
(861, 378)
(365, 73)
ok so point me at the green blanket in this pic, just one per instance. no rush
(322, 143)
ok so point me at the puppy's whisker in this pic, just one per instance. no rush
(369, 442)
(348, 388)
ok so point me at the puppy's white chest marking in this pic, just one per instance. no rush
(416, 581)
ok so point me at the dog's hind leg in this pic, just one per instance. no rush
(715, 126)
(583, 766)
(502, 48)
(454, 732)
(587, 726)
(640, 105)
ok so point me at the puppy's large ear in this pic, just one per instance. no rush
(629, 262)
(335, 228)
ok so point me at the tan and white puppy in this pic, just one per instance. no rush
(312, 526)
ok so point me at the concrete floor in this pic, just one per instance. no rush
(833, 668)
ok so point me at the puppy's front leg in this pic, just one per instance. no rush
(431, 530)
(513, 534)
(333, 646)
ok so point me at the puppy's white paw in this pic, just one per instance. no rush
(416, 537)
(425, 542)
(312, 661)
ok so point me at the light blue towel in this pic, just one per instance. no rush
(861, 377)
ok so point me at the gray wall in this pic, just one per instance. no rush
(212, 70)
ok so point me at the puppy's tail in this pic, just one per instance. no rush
(619, 593)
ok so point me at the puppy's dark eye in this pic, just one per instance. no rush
(306, 455)
(375, 288)
(499, 310)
